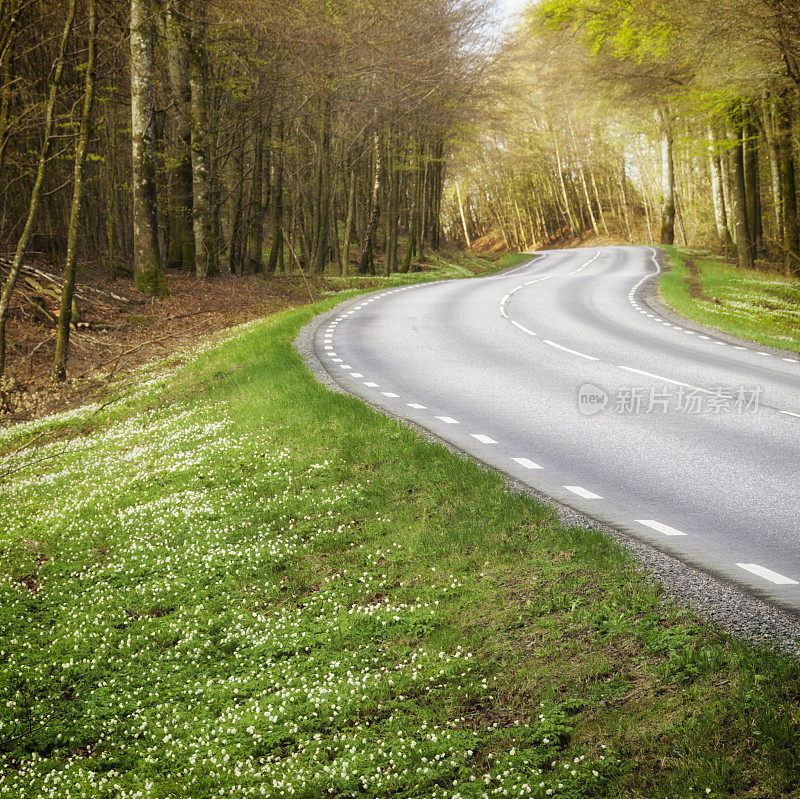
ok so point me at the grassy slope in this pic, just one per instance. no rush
(757, 305)
(234, 582)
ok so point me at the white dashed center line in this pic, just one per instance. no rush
(665, 379)
(571, 352)
(523, 328)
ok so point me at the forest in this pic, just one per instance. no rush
(151, 138)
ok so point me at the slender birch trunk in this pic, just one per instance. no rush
(348, 226)
(148, 272)
(667, 179)
(366, 254)
(181, 245)
(276, 248)
(204, 241)
(720, 216)
(744, 251)
(81, 151)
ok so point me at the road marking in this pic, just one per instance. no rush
(765, 354)
(482, 438)
(523, 328)
(345, 366)
(505, 299)
(737, 347)
(356, 374)
(417, 406)
(789, 413)
(767, 574)
(658, 526)
(705, 338)
(789, 360)
(567, 349)
(582, 492)
(525, 463)
(371, 385)
(389, 394)
(336, 360)
(665, 379)
(448, 420)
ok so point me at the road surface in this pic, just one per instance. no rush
(558, 374)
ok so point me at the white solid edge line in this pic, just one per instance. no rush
(448, 420)
(567, 349)
(482, 438)
(525, 463)
(523, 328)
(789, 413)
(582, 492)
(659, 527)
(665, 379)
(767, 574)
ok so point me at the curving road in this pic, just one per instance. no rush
(559, 375)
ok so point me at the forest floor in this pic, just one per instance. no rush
(762, 305)
(227, 580)
(121, 329)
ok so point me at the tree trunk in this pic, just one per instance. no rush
(255, 238)
(322, 210)
(744, 249)
(181, 244)
(463, 218)
(36, 193)
(276, 248)
(752, 186)
(148, 272)
(788, 190)
(667, 179)
(366, 253)
(10, 17)
(720, 216)
(204, 241)
(348, 226)
(70, 267)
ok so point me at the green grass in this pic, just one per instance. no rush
(232, 582)
(758, 305)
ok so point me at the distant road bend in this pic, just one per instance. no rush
(558, 374)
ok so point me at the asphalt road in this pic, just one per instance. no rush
(558, 374)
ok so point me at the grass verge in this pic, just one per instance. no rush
(233, 582)
(758, 305)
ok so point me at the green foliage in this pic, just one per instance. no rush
(758, 305)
